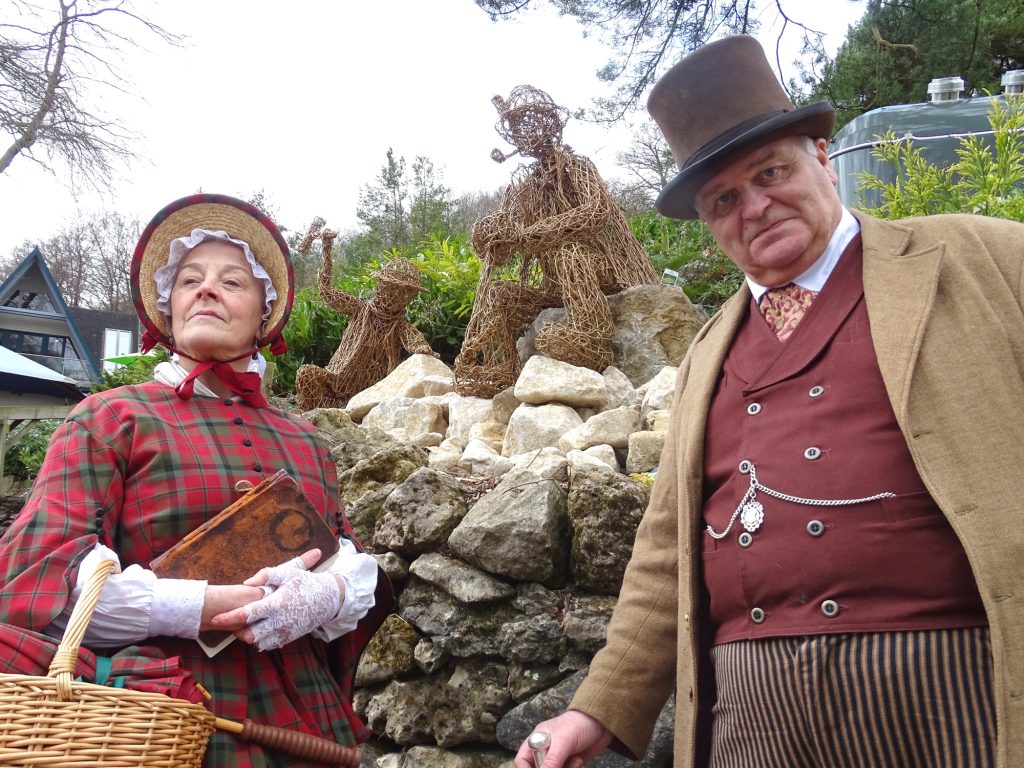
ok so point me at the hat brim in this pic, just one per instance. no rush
(676, 199)
(240, 220)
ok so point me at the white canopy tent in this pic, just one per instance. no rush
(14, 364)
(30, 392)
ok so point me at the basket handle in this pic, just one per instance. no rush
(62, 668)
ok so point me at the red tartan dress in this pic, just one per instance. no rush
(141, 468)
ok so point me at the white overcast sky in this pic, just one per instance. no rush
(302, 99)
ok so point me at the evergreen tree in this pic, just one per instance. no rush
(382, 209)
(897, 48)
(432, 210)
(398, 213)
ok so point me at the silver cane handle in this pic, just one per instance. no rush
(538, 742)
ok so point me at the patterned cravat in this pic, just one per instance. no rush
(783, 307)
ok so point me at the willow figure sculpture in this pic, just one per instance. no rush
(377, 332)
(558, 218)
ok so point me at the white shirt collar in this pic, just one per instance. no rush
(171, 374)
(815, 276)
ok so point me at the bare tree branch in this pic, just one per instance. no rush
(54, 68)
(650, 164)
(649, 35)
(877, 34)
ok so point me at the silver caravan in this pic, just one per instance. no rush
(936, 127)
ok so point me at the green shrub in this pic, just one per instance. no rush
(312, 335)
(449, 270)
(135, 370)
(985, 179)
(25, 457)
(670, 243)
(708, 277)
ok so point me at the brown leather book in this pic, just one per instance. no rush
(271, 524)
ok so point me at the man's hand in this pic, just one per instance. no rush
(576, 739)
(297, 603)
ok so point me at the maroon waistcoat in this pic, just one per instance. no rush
(813, 418)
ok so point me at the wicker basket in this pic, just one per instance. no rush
(55, 721)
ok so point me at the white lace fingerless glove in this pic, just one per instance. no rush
(301, 602)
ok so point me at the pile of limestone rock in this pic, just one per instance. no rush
(505, 525)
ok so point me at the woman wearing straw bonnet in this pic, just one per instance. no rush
(135, 469)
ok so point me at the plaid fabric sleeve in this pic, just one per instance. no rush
(75, 497)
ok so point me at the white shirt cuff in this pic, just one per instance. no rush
(358, 571)
(134, 605)
(177, 607)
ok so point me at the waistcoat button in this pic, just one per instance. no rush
(817, 391)
(757, 615)
(812, 453)
(830, 608)
(745, 539)
(815, 528)
(744, 467)
(754, 408)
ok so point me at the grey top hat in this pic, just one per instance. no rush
(718, 102)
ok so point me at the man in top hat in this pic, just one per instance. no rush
(828, 573)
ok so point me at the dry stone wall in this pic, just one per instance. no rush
(506, 526)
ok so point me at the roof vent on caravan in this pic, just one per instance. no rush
(945, 88)
(1013, 81)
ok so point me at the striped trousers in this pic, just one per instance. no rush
(918, 699)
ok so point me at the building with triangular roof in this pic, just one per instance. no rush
(35, 322)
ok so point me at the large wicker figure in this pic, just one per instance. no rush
(556, 214)
(377, 331)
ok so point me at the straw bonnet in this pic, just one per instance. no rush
(240, 220)
(718, 102)
(400, 272)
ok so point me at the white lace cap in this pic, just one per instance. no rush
(164, 277)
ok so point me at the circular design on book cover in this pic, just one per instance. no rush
(290, 531)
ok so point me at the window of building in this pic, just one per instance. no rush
(115, 342)
(55, 352)
(37, 300)
(55, 345)
(31, 344)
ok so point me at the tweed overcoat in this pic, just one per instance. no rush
(944, 299)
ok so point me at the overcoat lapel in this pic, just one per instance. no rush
(709, 350)
(704, 361)
(899, 287)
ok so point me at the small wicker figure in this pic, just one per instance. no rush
(377, 331)
(556, 214)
